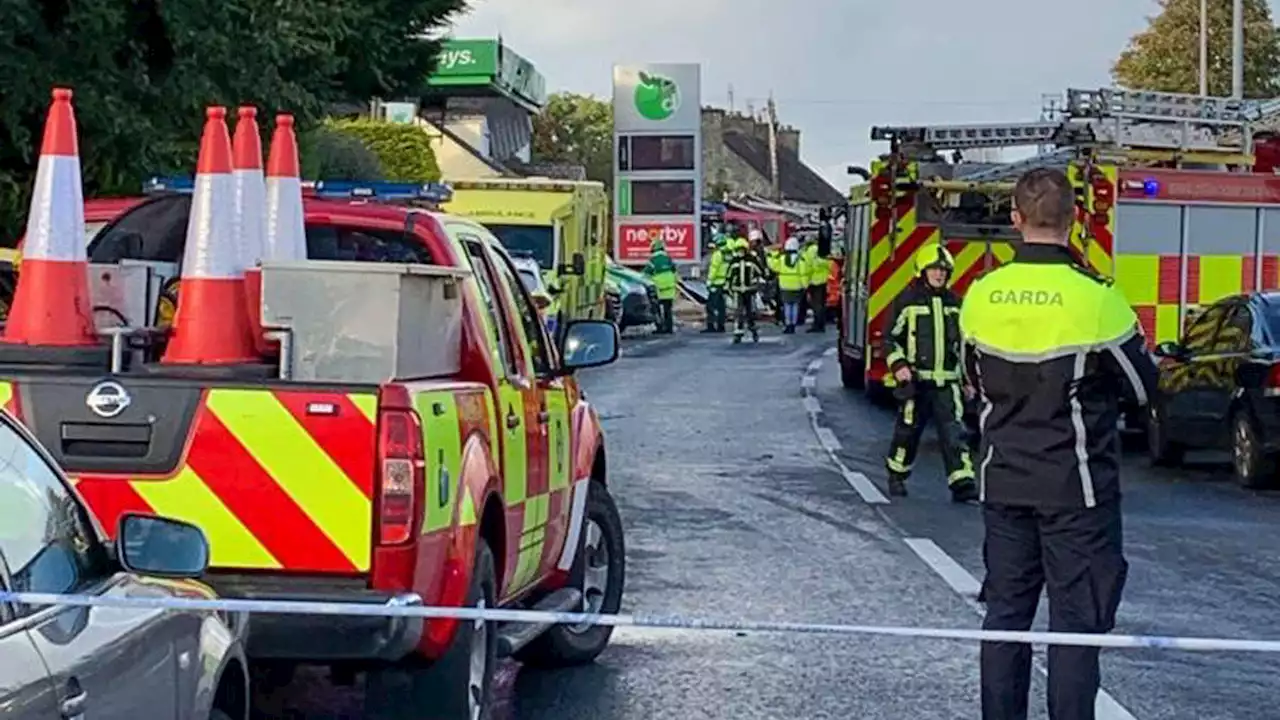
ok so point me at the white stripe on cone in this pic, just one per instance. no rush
(55, 223)
(286, 229)
(251, 228)
(206, 254)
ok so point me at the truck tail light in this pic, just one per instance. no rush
(402, 469)
(1104, 195)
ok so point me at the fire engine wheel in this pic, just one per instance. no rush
(599, 571)
(852, 375)
(458, 686)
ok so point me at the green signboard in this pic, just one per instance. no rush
(468, 59)
(489, 66)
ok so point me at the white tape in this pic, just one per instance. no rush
(664, 622)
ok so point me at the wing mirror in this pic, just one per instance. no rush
(588, 343)
(161, 547)
(1168, 350)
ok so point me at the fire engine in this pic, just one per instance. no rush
(1171, 204)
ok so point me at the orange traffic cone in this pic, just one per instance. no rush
(286, 228)
(52, 305)
(211, 325)
(246, 167)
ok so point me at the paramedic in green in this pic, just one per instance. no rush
(663, 273)
(922, 349)
(1052, 348)
(717, 278)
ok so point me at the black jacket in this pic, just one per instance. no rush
(1052, 347)
(924, 333)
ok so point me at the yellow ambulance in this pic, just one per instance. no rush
(563, 224)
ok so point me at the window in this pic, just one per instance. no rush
(46, 540)
(1199, 335)
(1236, 332)
(663, 197)
(662, 152)
(155, 231)
(529, 279)
(535, 241)
(329, 242)
(1271, 317)
(475, 256)
(529, 317)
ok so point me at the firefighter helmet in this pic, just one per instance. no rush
(934, 255)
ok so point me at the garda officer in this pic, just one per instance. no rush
(745, 273)
(923, 353)
(793, 278)
(663, 273)
(717, 276)
(819, 270)
(1051, 347)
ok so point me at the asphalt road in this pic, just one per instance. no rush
(724, 468)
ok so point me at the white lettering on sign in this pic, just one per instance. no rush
(649, 233)
(454, 58)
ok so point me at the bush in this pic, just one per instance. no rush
(404, 151)
(327, 154)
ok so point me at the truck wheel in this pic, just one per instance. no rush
(458, 686)
(851, 373)
(599, 570)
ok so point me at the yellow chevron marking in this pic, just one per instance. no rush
(282, 446)
(186, 497)
(367, 405)
(6, 392)
(898, 280)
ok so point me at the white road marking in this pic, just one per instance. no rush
(811, 405)
(815, 366)
(941, 563)
(808, 382)
(829, 352)
(828, 439)
(1105, 707)
(864, 487)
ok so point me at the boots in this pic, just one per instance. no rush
(964, 491)
(897, 484)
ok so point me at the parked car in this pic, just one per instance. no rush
(77, 662)
(638, 296)
(1220, 388)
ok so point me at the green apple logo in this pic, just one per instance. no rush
(657, 97)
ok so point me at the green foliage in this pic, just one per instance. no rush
(144, 70)
(578, 130)
(1166, 56)
(328, 154)
(404, 151)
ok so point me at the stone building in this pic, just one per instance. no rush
(735, 159)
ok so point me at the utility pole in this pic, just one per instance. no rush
(1204, 48)
(773, 150)
(1237, 49)
(730, 97)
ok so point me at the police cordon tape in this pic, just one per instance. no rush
(649, 621)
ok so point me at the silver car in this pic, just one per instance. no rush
(70, 663)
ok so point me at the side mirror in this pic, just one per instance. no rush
(541, 300)
(588, 343)
(151, 545)
(1168, 350)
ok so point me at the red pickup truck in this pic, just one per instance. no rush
(480, 482)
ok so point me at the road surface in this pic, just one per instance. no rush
(724, 468)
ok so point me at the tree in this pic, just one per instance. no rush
(144, 70)
(403, 151)
(1166, 56)
(577, 130)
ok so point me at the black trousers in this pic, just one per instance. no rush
(818, 301)
(1078, 555)
(666, 323)
(746, 317)
(944, 407)
(715, 308)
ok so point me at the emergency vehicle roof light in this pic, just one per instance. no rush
(1151, 187)
(430, 192)
(176, 183)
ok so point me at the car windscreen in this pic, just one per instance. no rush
(535, 241)
(1271, 317)
(529, 278)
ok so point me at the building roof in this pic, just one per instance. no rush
(494, 165)
(797, 181)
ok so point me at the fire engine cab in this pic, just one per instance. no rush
(1171, 204)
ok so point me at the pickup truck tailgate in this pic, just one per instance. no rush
(279, 478)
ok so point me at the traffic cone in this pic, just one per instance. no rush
(286, 226)
(251, 227)
(211, 325)
(52, 305)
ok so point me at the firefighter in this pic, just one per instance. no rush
(793, 277)
(923, 354)
(819, 266)
(663, 273)
(717, 276)
(745, 274)
(1052, 348)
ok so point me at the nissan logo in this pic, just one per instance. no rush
(108, 399)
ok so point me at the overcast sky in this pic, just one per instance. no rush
(836, 67)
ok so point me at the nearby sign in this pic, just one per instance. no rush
(657, 115)
(634, 240)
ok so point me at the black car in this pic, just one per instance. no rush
(1220, 388)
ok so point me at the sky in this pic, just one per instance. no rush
(835, 67)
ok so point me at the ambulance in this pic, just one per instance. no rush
(563, 224)
(1170, 204)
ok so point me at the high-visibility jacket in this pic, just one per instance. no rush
(819, 267)
(662, 271)
(1052, 347)
(834, 282)
(745, 270)
(718, 269)
(791, 269)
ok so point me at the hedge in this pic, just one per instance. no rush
(327, 154)
(404, 151)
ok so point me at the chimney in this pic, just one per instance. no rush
(789, 138)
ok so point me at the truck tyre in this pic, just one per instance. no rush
(599, 570)
(458, 686)
(851, 373)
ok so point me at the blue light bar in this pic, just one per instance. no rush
(1151, 187)
(430, 192)
(176, 183)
